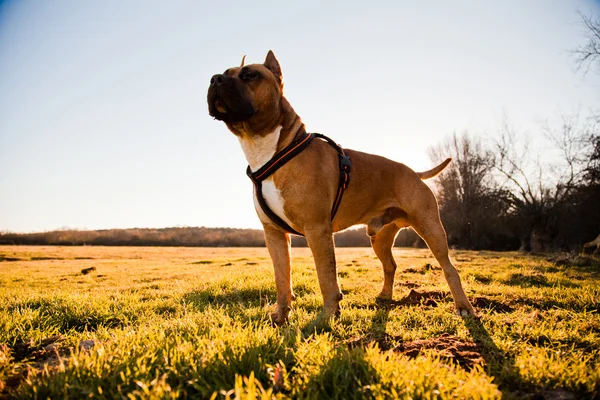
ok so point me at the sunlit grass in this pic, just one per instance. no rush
(192, 322)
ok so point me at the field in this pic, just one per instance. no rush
(192, 322)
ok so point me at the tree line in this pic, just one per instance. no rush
(186, 236)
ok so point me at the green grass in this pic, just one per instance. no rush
(192, 322)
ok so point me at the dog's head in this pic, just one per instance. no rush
(247, 98)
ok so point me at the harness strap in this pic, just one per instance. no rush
(345, 166)
(280, 159)
(285, 155)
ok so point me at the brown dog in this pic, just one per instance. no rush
(383, 194)
(594, 243)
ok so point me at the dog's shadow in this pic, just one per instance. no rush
(230, 298)
(497, 363)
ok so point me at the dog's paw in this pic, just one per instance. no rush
(463, 311)
(384, 297)
(331, 311)
(277, 319)
(280, 315)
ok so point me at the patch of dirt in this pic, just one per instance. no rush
(86, 271)
(385, 342)
(427, 298)
(465, 353)
(427, 267)
(482, 279)
(9, 259)
(484, 302)
(414, 298)
(48, 354)
(86, 345)
(578, 260)
(464, 259)
(407, 284)
(27, 350)
(558, 394)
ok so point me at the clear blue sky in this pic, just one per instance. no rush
(103, 116)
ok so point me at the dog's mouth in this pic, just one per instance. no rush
(217, 107)
(220, 106)
(222, 111)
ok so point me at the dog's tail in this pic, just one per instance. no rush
(432, 173)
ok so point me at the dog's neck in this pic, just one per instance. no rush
(259, 149)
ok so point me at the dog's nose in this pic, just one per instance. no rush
(217, 79)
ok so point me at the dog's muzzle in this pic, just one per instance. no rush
(227, 99)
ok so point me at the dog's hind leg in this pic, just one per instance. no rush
(320, 241)
(382, 244)
(278, 244)
(429, 227)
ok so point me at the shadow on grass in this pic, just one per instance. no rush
(526, 281)
(497, 363)
(230, 295)
(348, 374)
(253, 297)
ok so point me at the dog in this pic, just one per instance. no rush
(594, 243)
(384, 195)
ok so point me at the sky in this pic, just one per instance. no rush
(103, 115)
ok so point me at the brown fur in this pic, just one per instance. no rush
(382, 194)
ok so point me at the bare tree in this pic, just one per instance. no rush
(470, 204)
(541, 189)
(588, 55)
(573, 140)
(592, 169)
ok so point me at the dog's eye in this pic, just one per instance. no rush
(250, 75)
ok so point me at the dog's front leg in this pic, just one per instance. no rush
(278, 244)
(320, 241)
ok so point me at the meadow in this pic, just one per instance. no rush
(165, 322)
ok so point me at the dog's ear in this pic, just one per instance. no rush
(243, 61)
(273, 65)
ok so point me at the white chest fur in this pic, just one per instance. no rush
(258, 151)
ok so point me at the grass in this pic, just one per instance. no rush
(192, 322)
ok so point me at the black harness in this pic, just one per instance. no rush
(286, 155)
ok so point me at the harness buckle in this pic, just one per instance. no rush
(345, 164)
